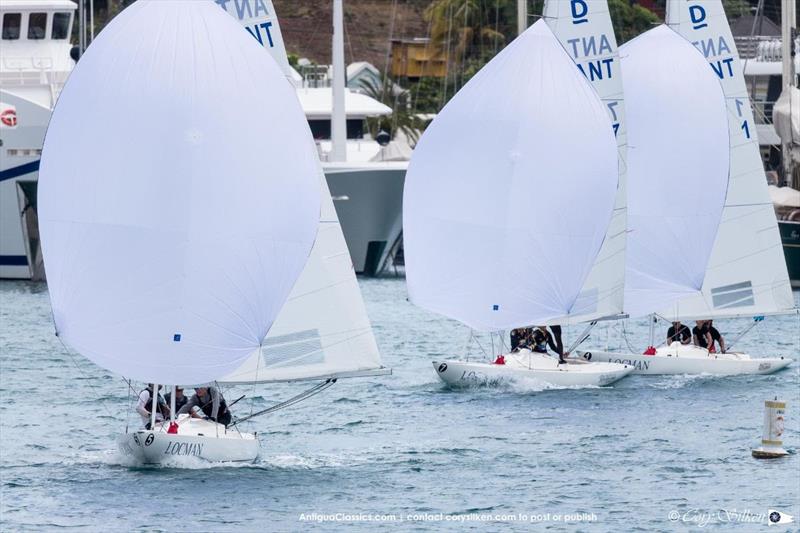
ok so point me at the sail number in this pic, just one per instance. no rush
(745, 126)
(250, 9)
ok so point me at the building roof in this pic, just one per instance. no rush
(743, 26)
(317, 103)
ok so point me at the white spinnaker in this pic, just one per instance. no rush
(746, 274)
(678, 164)
(510, 191)
(323, 329)
(178, 195)
(584, 29)
(260, 20)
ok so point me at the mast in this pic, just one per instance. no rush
(82, 25)
(154, 406)
(788, 32)
(522, 16)
(338, 123)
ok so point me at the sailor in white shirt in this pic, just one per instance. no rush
(146, 403)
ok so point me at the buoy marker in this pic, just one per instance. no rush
(771, 436)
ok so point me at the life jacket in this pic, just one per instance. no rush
(162, 404)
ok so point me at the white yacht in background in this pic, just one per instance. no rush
(367, 185)
(34, 64)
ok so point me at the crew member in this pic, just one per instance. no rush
(541, 339)
(180, 398)
(145, 404)
(702, 337)
(715, 336)
(678, 332)
(520, 338)
(209, 402)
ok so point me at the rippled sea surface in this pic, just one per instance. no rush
(649, 453)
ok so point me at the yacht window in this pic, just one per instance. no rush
(37, 25)
(60, 26)
(11, 24)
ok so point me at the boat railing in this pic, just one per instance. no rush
(35, 72)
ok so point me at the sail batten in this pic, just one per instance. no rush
(487, 239)
(176, 208)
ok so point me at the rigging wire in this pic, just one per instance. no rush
(316, 389)
(89, 380)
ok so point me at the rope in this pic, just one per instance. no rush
(316, 389)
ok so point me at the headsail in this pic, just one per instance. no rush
(323, 329)
(747, 273)
(678, 165)
(260, 20)
(174, 227)
(489, 237)
(584, 29)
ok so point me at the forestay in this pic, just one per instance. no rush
(584, 29)
(323, 329)
(746, 274)
(678, 165)
(510, 191)
(178, 195)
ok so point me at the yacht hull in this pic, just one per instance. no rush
(197, 439)
(574, 374)
(369, 202)
(690, 360)
(790, 236)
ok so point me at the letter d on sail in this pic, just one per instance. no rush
(579, 11)
(698, 15)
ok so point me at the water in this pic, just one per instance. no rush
(631, 454)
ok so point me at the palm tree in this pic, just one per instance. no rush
(461, 25)
(401, 119)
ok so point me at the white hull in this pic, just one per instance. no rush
(530, 367)
(369, 202)
(688, 359)
(20, 257)
(199, 439)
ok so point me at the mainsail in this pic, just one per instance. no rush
(488, 237)
(323, 329)
(178, 195)
(678, 168)
(747, 273)
(584, 29)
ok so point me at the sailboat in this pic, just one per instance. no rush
(158, 273)
(502, 222)
(746, 274)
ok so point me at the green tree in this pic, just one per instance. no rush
(402, 118)
(630, 19)
(464, 27)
